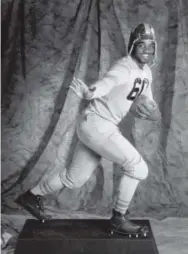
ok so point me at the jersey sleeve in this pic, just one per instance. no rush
(118, 74)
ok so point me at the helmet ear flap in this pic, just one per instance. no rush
(132, 40)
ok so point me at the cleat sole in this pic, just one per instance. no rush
(130, 235)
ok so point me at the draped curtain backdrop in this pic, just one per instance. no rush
(45, 44)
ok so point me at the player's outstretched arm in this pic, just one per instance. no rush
(117, 75)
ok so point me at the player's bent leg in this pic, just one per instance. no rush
(133, 169)
(112, 145)
(119, 221)
(81, 168)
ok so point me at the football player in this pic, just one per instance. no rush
(110, 98)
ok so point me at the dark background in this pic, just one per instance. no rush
(46, 43)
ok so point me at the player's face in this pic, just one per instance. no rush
(144, 51)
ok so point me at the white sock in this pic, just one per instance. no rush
(48, 186)
(125, 193)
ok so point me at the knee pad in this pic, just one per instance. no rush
(137, 168)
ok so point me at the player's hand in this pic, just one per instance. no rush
(81, 89)
(147, 109)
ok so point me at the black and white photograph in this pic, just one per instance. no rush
(94, 126)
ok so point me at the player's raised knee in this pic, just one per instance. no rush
(137, 169)
(142, 171)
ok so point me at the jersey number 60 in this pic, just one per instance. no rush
(138, 87)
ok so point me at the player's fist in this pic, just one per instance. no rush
(146, 109)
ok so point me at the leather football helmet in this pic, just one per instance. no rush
(142, 32)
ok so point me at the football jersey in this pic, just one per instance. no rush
(117, 90)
